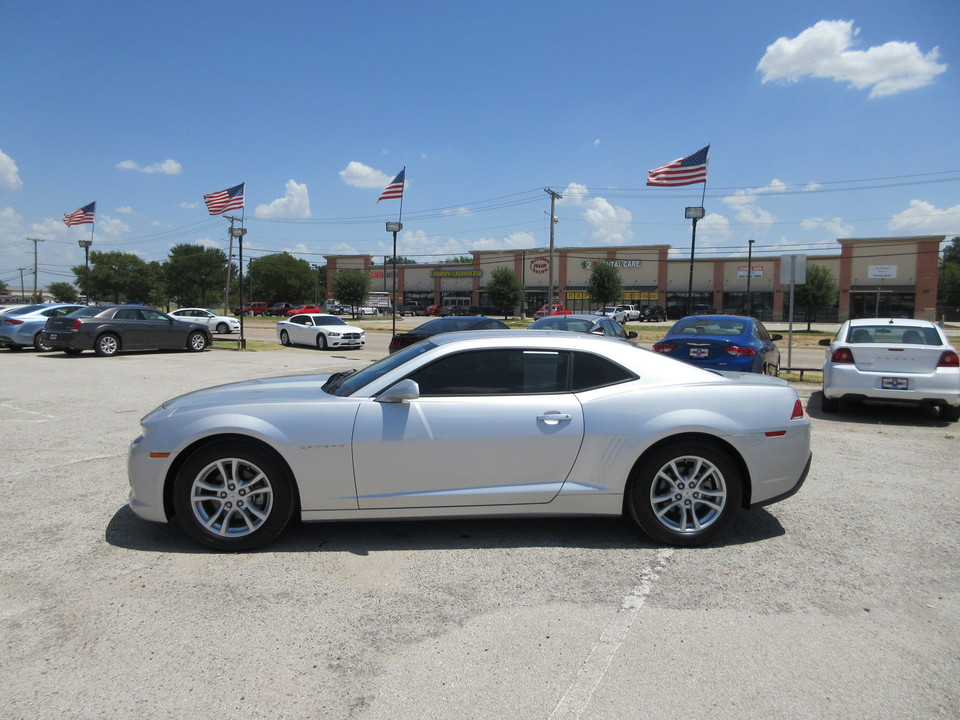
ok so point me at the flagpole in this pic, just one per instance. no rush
(400, 216)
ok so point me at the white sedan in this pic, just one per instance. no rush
(217, 323)
(891, 360)
(489, 423)
(320, 330)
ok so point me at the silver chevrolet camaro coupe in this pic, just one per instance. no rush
(475, 424)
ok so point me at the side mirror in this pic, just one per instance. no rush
(403, 390)
(825, 342)
(631, 334)
(776, 336)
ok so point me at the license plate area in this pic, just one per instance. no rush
(696, 352)
(893, 383)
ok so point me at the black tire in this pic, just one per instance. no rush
(284, 338)
(223, 328)
(72, 351)
(253, 504)
(672, 506)
(107, 345)
(829, 405)
(950, 413)
(39, 344)
(322, 341)
(197, 341)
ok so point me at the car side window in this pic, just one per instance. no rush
(298, 320)
(592, 371)
(126, 314)
(495, 372)
(152, 315)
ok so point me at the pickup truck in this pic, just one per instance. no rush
(254, 308)
(632, 312)
(551, 310)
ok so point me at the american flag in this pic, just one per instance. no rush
(394, 189)
(229, 199)
(83, 216)
(684, 171)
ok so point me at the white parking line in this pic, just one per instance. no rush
(594, 668)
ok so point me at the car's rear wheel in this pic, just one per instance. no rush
(950, 413)
(197, 341)
(223, 328)
(322, 341)
(107, 345)
(231, 496)
(686, 493)
(829, 405)
(39, 344)
(284, 338)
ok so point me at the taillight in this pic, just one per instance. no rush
(949, 359)
(797, 411)
(395, 343)
(75, 325)
(739, 351)
(841, 356)
(663, 347)
(11, 321)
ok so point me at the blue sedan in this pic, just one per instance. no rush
(723, 342)
(21, 326)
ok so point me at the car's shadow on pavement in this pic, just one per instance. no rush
(126, 530)
(903, 416)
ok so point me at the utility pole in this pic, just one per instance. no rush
(34, 241)
(553, 221)
(226, 295)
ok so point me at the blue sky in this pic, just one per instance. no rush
(825, 119)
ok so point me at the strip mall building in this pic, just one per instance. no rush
(875, 277)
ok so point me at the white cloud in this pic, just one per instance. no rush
(167, 167)
(714, 225)
(126, 210)
(597, 141)
(835, 227)
(9, 174)
(824, 51)
(188, 205)
(294, 205)
(574, 194)
(747, 212)
(611, 223)
(922, 218)
(459, 211)
(357, 174)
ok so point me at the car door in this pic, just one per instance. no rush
(156, 330)
(302, 330)
(491, 427)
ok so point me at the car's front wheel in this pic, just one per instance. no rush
(686, 493)
(40, 345)
(322, 343)
(232, 496)
(223, 328)
(107, 345)
(197, 341)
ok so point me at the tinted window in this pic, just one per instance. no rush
(154, 315)
(495, 372)
(328, 321)
(592, 371)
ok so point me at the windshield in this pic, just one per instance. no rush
(349, 383)
(708, 326)
(24, 310)
(88, 311)
(905, 334)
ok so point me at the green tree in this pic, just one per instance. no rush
(504, 290)
(951, 253)
(605, 285)
(62, 292)
(819, 292)
(117, 276)
(280, 278)
(195, 275)
(351, 287)
(458, 260)
(3, 288)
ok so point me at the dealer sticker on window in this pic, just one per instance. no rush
(894, 383)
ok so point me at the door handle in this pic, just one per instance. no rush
(554, 417)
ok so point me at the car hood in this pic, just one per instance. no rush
(277, 389)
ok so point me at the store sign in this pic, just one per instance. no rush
(588, 264)
(539, 265)
(456, 273)
(882, 272)
(756, 271)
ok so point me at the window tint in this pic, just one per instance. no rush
(153, 315)
(592, 371)
(126, 314)
(495, 372)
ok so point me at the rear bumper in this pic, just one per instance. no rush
(938, 388)
(791, 491)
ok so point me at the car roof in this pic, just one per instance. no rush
(911, 322)
(571, 316)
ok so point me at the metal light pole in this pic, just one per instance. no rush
(749, 275)
(85, 244)
(554, 196)
(394, 227)
(694, 214)
(239, 233)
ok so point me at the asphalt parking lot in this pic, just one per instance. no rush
(840, 602)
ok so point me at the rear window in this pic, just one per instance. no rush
(894, 334)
